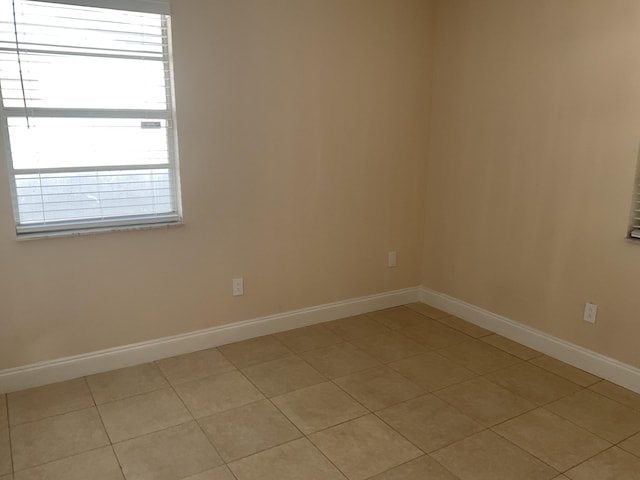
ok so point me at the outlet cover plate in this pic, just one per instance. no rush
(590, 312)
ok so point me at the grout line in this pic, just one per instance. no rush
(483, 427)
(637, 410)
(531, 454)
(581, 427)
(530, 361)
(6, 406)
(269, 397)
(585, 428)
(104, 427)
(135, 395)
(591, 457)
(611, 444)
(368, 412)
(271, 335)
(318, 449)
(627, 451)
(48, 462)
(75, 410)
(193, 418)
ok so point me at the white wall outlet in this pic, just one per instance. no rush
(590, 312)
(392, 259)
(238, 286)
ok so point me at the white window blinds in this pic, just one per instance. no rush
(87, 113)
(635, 210)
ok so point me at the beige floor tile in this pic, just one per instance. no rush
(479, 357)
(565, 370)
(598, 414)
(359, 326)
(427, 310)
(617, 393)
(283, 375)
(484, 401)
(486, 456)
(389, 347)
(4, 420)
(249, 429)
(217, 393)
(5, 452)
(194, 366)
(317, 407)
(533, 383)
(431, 371)
(379, 387)
(399, 317)
(511, 347)
(56, 437)
(551, 438)
(100, 464)
(219, 473)
(296, 460)
(422, 468)
(126, 382)
(169, 454)
(632, 444)
(339, 360)
(142, 414)
(257, 350)
(308, 338)
(465, 327)
(429, 422)
(612, 464)
(49, 400)
(364, 447)
(435, 335)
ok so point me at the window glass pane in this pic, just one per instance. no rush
(56, 81)
(87, 142)
(78, 57)
(93, 195)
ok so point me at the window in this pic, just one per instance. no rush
(87, 114)
(635, 209)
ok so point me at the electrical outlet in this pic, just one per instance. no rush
(590, 312)
(392, 259)
(238, 286)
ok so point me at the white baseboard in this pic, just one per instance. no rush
(605, 367)
(62, 369)
(58, 370)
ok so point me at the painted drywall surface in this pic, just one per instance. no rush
(302, 131)
(534, 141)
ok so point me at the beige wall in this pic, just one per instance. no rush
(304, 141)
(303, 135)
(534, 140)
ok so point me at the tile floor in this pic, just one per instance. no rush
(407, 393)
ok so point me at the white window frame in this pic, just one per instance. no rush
(93, 225)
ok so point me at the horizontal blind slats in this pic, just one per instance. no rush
(159, 7)
(102, 195)
(75, 57)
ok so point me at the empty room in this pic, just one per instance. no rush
(319, 239)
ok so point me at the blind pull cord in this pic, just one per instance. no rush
(15, 32)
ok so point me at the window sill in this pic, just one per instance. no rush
(25, 237)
